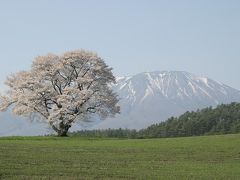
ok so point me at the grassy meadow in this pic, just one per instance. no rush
(207, 157)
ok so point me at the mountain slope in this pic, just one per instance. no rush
(148, 98)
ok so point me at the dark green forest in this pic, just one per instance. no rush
(224, 119)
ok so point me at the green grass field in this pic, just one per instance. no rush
(208, 157)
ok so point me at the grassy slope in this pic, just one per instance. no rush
(209, 157)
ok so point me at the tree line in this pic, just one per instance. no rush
(224, 119)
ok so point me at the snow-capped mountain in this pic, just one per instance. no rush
(145, 98)
(148, 98)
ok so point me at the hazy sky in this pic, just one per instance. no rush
(199, 36)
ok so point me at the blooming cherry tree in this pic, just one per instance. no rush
(63, 89)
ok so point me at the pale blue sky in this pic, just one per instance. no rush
(199, 36)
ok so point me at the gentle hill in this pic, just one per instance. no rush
(224, 119)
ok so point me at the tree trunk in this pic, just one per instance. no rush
(63, 130)
(63, 133)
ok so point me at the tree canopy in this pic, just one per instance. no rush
(63, 89)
